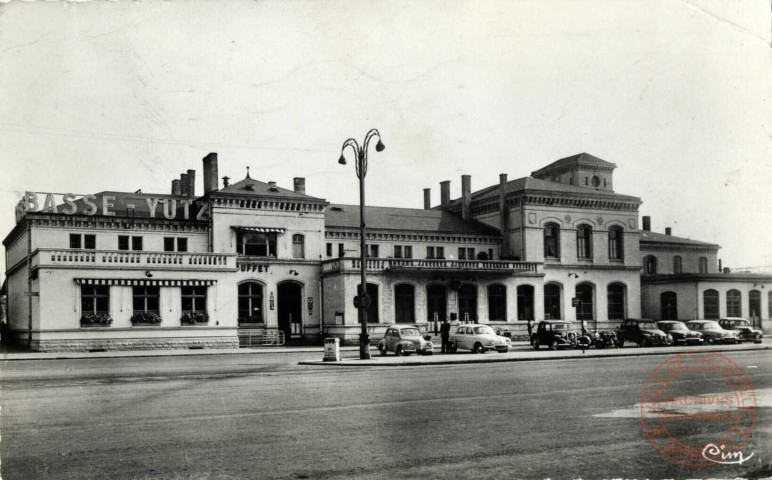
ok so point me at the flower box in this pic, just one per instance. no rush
(145, 318)
(95, 320)
(194, 318)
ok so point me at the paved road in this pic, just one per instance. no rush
(263, 416)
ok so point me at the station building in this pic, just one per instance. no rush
(117, 270)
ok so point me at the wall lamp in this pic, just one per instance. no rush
(294, 272)
(572, 274)
(148, 274)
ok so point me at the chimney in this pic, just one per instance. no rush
(191, 183)
(272, 183)
(466, 197)
(210, 173)
(647, 223)
(445, 193)
(176, 188)
(225, 181)
(427, 198)
(668, 231)
(300, 185)
(719, 266)
(184, 184)
(503, 217)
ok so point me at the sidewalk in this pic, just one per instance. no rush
(523, 353)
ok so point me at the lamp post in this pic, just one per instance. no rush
(362, 301)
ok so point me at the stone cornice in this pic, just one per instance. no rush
(353, 234)
(677, 247)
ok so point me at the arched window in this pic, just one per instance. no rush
(585, 294)
(525, 302)
(298, 246)
(734, 303)
(710, 305)
(584, 241)
(552, 301)
(251, 303)
(615, 296)
(497, 303)
(552, 240)
(372, 310)
(669, 305)
(650, 265)
(703, 265)
(678, 264)
(404, 303)
(467, 302)
(616, 243)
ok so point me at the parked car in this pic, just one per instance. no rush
(712, 332)
(643, 332)
(404, 340)
(743, 327)
(679, 332)
(478, 339)
(554, 334)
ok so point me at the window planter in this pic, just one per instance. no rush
(101, 319)
(194, 318)
(145, 318)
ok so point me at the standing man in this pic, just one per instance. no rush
(445, 333)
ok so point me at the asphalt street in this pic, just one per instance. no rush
(264, 416)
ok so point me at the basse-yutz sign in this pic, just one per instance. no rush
(72, 204)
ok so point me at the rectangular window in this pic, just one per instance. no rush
(89, 242)
(372, 251)
(123, 242)
(145, 299)
(461, 253)
(75, 240)
(329, 250)
(168, 244)
(470, 253)
(408, 249)
(440, 252)
(298, 246)
(182, 244)
(256, 244)
(94, 299)
(193, 300)
(136, 243)
(490, 254)
(341, 250)
(429, 252)
(397, 251)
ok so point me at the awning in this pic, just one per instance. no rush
(260, 229)
(145, 282)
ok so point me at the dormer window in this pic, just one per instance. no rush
(249, 187)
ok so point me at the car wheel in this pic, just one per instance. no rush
(645, 343)
(504, 350)
(709, 341)
(554, 345)
(620, 343)
(400, 352)
(536, 345)
(478, 348)
(452, 348)
(382, 349)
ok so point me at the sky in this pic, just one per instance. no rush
(126, 95)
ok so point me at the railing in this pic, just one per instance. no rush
(261, 338)
(109, 258)
(412, 264)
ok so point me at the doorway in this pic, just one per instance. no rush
(290, 309)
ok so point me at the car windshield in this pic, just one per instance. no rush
(410, 332)
(647, 325)
(560, 326)
(740, 323)
(484, 330)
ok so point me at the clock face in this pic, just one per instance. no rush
(596, 181)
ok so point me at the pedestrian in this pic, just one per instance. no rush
(445, 333)
(530, 328)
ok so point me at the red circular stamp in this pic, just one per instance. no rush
(699, 409)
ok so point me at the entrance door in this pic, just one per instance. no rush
(404, 303)
(437, 301)
(467, 303)
(668, 305)
(754, 308)
(290, 308)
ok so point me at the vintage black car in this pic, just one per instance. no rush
(643, 332)
(743, 329)
(554, 334)
(679, 332)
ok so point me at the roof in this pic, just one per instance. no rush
(411, 219)
(530, 184)
(140, 202)
(584, 159)
(661, 238)
(255, 188)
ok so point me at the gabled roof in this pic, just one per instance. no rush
(661, 238)
(583, 159)
(250, 187)
(534, 185)
(408, 219)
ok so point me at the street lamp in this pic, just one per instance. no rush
(362, 301)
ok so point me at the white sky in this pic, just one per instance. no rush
(119, 96)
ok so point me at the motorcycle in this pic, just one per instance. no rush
(585, 340)
(606, 339)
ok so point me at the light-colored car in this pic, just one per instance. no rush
(404, 340)
(478, 339)
(680, 334)
(745, 332)
(712, 332)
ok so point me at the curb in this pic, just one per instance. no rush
(19, 356)
(477, 359)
